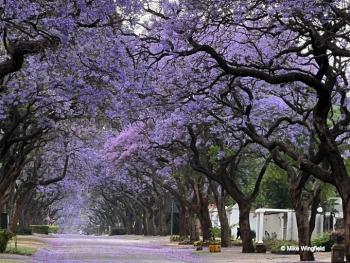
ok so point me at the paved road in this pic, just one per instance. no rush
(75, 248)
(134, 249)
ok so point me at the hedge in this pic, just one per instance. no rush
(54, 229)
(24, 231)
(44, 229)
(117, 231)
(40, 229)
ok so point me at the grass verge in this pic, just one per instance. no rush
(26, 245)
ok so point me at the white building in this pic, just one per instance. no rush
(266, 222)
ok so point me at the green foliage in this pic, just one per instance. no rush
(324, 240)
(274, 246)
(175, 238)
(117, 232)
(326, 201)
(25, 251)
(5, 237)
(54, 229)
(214, 150)
(40, 229)
(334, 115)
(216, 231)
(198, 243)
(274, 190)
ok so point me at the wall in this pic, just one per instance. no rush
(273, 223)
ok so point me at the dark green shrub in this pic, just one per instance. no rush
(5, 237)
(176, 238)
(275, 245)
(54, 229)
(198, 243)
(40, 229)
(24, 231)
(117, 232)
(324, 240)
(201, 243)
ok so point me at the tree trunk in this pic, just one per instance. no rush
(205, 222)
(128, 223)
(138, 224)
(184, 224)
(302, 202)
(220, 204)
(194, 233)
(346, 214)
(225, 228)
(162, 229)
(244, 225)
(14, 219)
(302, 215)
(145, 218)
(151, 224)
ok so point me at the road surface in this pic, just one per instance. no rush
(123, 249)
(138, 249)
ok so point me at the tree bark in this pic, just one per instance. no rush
(151, 224)
(145, 219)
(220, 204)
(225, 228)
(184, 224)
(304, 232)
(162, 230)
(244, 225)
(194, 233)
(138, 225)
(345, 194)
(205, 222)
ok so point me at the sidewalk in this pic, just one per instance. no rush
(9, 258)
(234, 254)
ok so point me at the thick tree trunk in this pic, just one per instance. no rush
(302, 202)
(15, 217)
(194, 233)
(205, 222)
(220, 204)
(151, 224)
(184, 224)
(225, 228)
(145, 219)
(302, 215)
(162, 229)
(138, 224)
(128, 223)
(346, 214)
(244, 225)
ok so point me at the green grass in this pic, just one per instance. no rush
(24, 251)
(26, 245)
